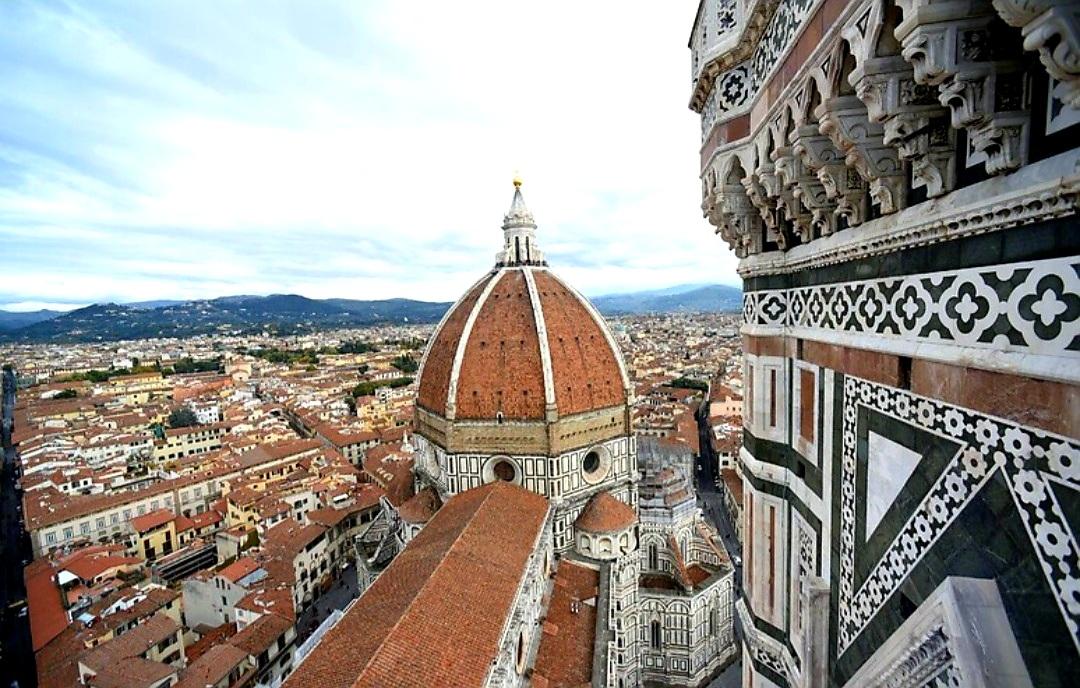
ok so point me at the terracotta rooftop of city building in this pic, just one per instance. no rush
(119, 662)
(449, 592)
(518, 342)
(212, 666)
(152, 520)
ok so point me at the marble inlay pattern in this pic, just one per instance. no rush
(736, 87)
(1034, 464)
(1033, 307)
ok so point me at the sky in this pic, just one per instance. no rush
(357, 149)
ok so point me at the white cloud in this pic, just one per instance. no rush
(363, 150)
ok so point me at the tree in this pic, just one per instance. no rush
(189, 365)
(365, 389)
(356, 347)
(405, 363)
(688, 383)
(182, 417)
(67, 394)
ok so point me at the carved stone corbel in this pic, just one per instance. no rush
(1052, 28)
(959, 46)
(743, 220)
(728, 208)
(762, 189)
(910, 113)
(844, 120)
(818, 161)
(787, 173)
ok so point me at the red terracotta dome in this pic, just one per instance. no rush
(605, 514)
(521, 342)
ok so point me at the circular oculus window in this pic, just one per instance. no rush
(595, 465)
(504, 470)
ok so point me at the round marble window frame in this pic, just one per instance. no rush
(489, 475)
(602, 470)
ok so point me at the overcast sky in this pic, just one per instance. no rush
(359, 149)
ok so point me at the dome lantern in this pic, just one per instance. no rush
(519, 234)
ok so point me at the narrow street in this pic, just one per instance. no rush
(341, 593)
(16, 653)
(711, 499)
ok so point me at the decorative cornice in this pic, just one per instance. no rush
(1041, 191)
(924, 661)
(887, 124)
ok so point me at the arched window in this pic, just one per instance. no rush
(654, 557)
(654, 634)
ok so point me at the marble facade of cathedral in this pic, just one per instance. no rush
(536, 550)
(900, 180)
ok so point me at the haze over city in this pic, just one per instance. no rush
(341, 149)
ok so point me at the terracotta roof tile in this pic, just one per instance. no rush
(605, 514)
(565, 656)
(260, 633)
(239, 568)
(501, 369)
(435, 616)
(46, 610)
(421, 507)
(584, 366)
(212, 666)
(154, 519)
(438, 365)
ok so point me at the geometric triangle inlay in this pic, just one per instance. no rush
(888, 467)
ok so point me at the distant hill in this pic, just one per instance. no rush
(715, 298)
(153, 304)
(394, 309)
(295, 314)
(278, 313)
(12, 321)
